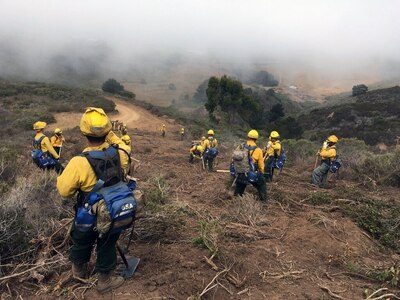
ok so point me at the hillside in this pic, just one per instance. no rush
(372, 117)
(195, 240)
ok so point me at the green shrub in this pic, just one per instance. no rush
(112, 86)
(352, 151)
(127, 94)
(319, 198)
(379, 219)
(381, 169)
(299, 151)
(156, 194)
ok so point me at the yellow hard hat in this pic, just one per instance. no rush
(95, 122)
(163, 125)
(333, 139)
(210, 132)
(39, 125)
(126, 139)
(274, 135)
(203, 138)
(57, 130)
(253, 134)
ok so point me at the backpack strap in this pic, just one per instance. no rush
(37, 144)
(105, 164)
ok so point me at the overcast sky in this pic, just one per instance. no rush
(323, 34)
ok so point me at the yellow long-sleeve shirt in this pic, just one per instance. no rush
(79, 175)
(274, 148)
(57, 140)
(113, 139)
(210, 143)
(328, 153)
(257, 156)
(197, 149)
(45, 145)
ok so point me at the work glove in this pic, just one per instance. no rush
(325, 145)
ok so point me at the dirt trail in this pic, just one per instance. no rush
(134, 116)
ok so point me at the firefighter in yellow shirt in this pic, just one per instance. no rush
(42, 142)
(196, 150)
(57, 140)
(182, 131)
(272, 152)
(79, 177)
(327, 154)
(258, 161)
(163, 130)
(210, 149)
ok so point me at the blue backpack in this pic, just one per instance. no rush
(335, 165)
(112, 197)
(42, 159)
(280, 161)
(211, 153)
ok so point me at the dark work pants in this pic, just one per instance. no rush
(209, 161)
(57, 149)
(82, 249)
(320, 175)
(269, 170)
(241, 183)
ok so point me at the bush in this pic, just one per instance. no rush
(379, 219)
(26, 213)
(319, 198)
(380, 169)
(112, 86)
(156, 194)
(127, 94)
(299, 151)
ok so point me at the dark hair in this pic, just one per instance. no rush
(96, 139)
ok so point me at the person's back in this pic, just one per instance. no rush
(210, 149)
(43, 143)
(273, 151)
(80, 177)
(255, 166)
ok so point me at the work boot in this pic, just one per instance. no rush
(107, 282)
(79, 271)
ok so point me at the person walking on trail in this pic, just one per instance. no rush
(127, 140)
(57, 140)
(272, 152)
(80, 177)
(210, 149)
(43, 143)
(182, 133)
(163, 130)
(124, 129)
(253, 158)
(197, 150)
(327, 154)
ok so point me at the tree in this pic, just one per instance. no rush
(289, 128)
(228, 95)
(112, 86)
(276, 112)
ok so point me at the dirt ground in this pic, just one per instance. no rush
(286, 250)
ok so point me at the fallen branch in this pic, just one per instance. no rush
(29, 270)
(209, 287)
(332, 294)
(385, 296)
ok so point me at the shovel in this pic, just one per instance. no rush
(130, 263)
